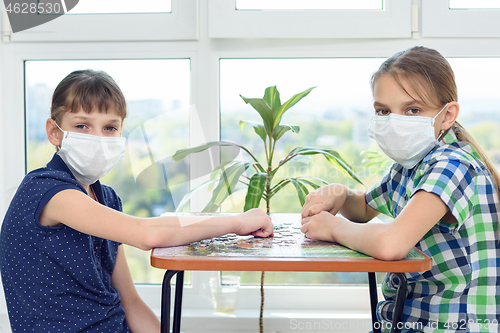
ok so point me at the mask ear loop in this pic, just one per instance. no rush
(433, 119)
(65, 134)
(440, 135)
(444, 107)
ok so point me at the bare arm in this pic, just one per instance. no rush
(78, 211)
(337, 198)
(391, 241)
(140, 318)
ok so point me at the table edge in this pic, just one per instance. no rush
(247, 263)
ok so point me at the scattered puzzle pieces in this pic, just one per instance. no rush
(288, 242)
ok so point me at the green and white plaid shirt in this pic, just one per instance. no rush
(461, 293)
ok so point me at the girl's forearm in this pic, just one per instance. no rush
(141, 318)
(393, 240)
(355, 207)
(373, 239)
(78, 211)
(179, 230)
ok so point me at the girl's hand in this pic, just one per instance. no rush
(320, 226)
(328, 198)
(254, 222)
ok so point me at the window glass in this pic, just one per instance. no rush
(474, 4)
(307, 5)
(477, 82)
(157, 94)
(121, 7)
(335, 116)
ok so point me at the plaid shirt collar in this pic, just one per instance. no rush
(448, 137)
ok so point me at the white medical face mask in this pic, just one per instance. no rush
(90, 157)
(405, 139)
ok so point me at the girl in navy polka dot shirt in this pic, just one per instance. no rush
(62, 264)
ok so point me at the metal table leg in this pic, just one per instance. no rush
(179, 285)
(400, 303)
(372, 284)
(398, 307)
(166, 298)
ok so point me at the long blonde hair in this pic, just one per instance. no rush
(433, 80)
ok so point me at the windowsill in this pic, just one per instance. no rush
(207, 321)
(276, 317)
(275, 320)
(302, 299)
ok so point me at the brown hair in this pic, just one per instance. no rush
(433, 80)
(91, 90)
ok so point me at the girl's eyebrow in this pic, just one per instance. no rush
(405, 105)
(378, 104)
(413, 102)
(85, 118)
(75, 117)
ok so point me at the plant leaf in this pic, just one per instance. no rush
(187, 196)
(303, 159)
(279, 186)
(210, 208)
(381, 162)
(258, 128)
(310, 183)
(182, 153)
(331, 156)
(255, 190)
(279, 130)
(218, 170)
(272, 98)
(315, 178)
(288, 104)
(227, 182)
(338, 162)
(302, 190)
(264, 110)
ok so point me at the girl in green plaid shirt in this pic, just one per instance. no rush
(442, 193)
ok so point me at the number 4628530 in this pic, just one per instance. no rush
(32, 8)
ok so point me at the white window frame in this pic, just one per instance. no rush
(438, 20)
(394, 21)
(180, 24)
(205, 54)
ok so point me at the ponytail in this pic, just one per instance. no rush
(466, 137)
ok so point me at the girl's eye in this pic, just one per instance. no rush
(111, 128)
(81, 126)
(413, 111)
(382, 112)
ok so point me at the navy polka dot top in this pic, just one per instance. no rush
(57, 279)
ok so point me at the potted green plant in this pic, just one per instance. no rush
(259, 176)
